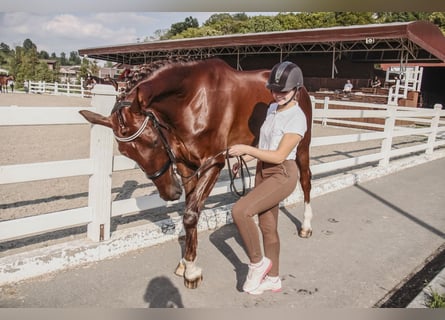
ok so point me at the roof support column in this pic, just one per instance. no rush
(334, 69)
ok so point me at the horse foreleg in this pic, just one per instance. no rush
(187, 265)
(305, 181)
(196, 194)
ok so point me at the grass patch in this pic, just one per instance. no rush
(436, 300)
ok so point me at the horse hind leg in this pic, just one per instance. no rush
(305, 181)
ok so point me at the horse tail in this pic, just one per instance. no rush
(305, 102)
(303, 156)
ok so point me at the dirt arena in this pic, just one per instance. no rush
(31, 144)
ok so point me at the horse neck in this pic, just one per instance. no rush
(305, 103)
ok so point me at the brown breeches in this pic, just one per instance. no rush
(273, 183)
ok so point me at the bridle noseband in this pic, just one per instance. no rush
(157, 125)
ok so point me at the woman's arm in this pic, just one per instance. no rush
(287, 143)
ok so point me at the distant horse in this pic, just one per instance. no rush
(4, 82)
(177, 124)
(90, 81)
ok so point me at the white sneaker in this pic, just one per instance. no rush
(256, 274)
(268, 283)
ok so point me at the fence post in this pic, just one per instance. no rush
(324, 122)
(81, 88)
(56, 88)
(101, 153)
(390, 122)
(434, 127)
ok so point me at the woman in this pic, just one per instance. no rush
(376, 83)
(276, 177)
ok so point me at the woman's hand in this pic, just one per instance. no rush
(235, 169)
(238, 150)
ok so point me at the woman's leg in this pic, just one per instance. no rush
(268, 223)
(273, 184)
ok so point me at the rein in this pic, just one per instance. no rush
(242, 165)
(172, 159)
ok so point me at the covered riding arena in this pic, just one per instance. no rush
(55, 199)
(327, 56)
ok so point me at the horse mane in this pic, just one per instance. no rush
(149, 70)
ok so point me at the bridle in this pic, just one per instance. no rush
(172, 160)
(156, 125)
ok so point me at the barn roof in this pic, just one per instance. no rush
(417, 41)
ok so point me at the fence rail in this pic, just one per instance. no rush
(59, 88)
(99, 166)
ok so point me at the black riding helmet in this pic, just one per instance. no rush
(285, 76)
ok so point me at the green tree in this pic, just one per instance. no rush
(43, 73)
(29, 45)
(74, 58)
(438, 18)
(353, 18)
(262, 24)
(290, 21)
(5, 53)
(226, 23)
(179, 27)
(63, 60)
(87, 67)
(84, 68)
(198, 32)
(43, 55)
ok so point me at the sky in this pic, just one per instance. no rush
(71, 31)
(65, 25)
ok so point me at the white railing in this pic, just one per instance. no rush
(101, 163)
(411, 81)
(56, 88)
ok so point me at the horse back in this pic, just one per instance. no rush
(210, 103)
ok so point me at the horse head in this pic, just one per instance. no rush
(143, 136)
(89, 82)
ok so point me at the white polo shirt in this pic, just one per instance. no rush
(276, 124)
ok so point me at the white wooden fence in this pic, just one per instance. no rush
(59, 88)
(411, 81)
(101, 163)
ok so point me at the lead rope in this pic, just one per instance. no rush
(242, 165)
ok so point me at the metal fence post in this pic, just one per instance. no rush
(434, 127)
(390, 123)
(101, 153)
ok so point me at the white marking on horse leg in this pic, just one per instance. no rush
(191, 270)
(180, 269)
(307, 217)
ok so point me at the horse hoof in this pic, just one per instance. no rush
(192, 284)
(305, 233)
(180, 269)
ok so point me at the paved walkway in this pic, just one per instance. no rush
(367, 238)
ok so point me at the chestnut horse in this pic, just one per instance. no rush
(177, 124)
(4, 82)
(90, 81)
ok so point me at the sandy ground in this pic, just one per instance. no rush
(30, 144)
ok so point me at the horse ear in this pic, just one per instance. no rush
(96, 118)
